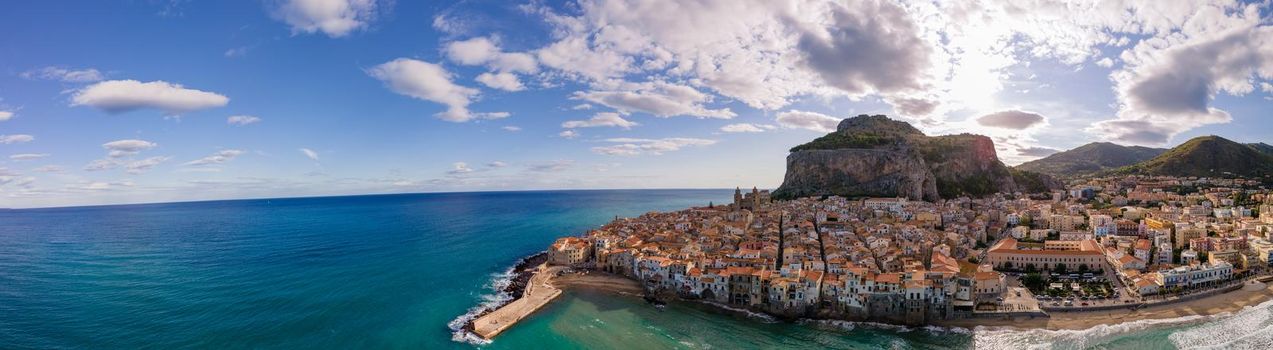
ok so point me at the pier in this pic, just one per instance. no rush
(539, 292)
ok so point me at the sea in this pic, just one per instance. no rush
(404, 271)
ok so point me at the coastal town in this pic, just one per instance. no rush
(1100, 244)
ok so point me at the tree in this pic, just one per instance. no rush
(1034, 281)
(1060, 268)
(1083, 268)
(1030, 268)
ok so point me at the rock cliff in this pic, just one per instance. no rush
(880, 157)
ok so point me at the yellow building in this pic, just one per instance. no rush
(1072, 254)
(569, 251)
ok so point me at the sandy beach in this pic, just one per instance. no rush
(1217, 304)
(595, 280)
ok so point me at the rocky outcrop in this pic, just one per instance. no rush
(864, 172)
(879, 157)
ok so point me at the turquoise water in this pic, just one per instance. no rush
(393, 271)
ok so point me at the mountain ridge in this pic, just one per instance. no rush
(1089, 159)
(1206, 156)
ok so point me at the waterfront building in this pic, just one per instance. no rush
(1195, 275)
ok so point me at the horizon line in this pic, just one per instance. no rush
(357, 195)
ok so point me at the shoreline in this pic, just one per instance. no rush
(514, 283)
(1219, 304)
(1224, 303)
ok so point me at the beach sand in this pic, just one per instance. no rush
(595, 280)
(1216, 304)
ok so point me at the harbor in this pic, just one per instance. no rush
(539, 292)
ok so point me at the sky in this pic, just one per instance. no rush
(105, 102)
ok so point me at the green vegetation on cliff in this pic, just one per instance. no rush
(863, 132)
(838, 140)
(972, 186)
(1032, 182)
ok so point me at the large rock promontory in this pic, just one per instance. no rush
(872, 155)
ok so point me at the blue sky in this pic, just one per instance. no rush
(146, 101)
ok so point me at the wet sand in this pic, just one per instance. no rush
(601, 281)
(1212, 305)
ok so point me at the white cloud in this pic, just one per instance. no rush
(27, 156)
(118, 150)
(512, 128)
(5, 115)
(1164, 92)
(12, 139)
(140, 166)
(241, 120)
(763, 53)
(600, 119)
(502, 81)
(219, 157)
(336, 18)
(635, 146)
(1011, 119)
(101, 164)
(117, 96)
(100, 185)
(1037, 152)
(122, 148)
(659, 99)
(745, 127)
(309, 153)
(86, 75)
(581, 107)
(471, 52)
(568, 134)
(797, 119)
(492, 115)
(430, 82)
(496, 164)
(551, 167)
(459, 168)
(485, 51)
(236, 52)
(869, 46)
(1105, 62)
(48, 169)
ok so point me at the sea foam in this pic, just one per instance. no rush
(1249, 328)
(490, 301)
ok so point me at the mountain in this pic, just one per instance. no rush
(1089, 159)
(872, 155)
(1209, 156)
(1262, 147)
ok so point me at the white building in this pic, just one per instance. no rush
(1194, 275)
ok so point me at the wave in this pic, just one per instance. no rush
(496, 298)
(753, 314)
(1249, 328)
(852, 325)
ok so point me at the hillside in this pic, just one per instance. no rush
(1089, 159)
(1262, 147)
(1210, 156)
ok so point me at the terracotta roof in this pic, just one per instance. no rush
(984, 276)
(893, 278)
